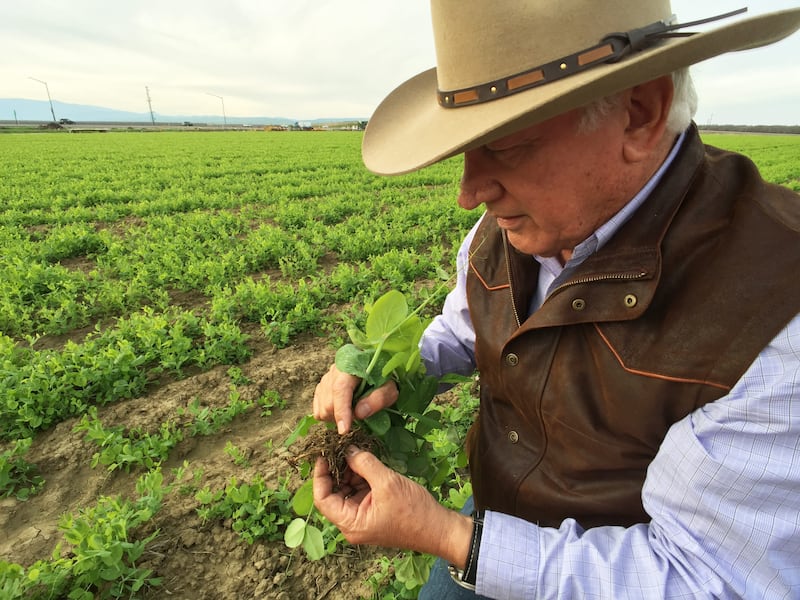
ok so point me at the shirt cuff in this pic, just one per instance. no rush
(508, 560)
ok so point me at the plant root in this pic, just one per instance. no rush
(326, 442)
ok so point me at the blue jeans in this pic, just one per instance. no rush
(440, 586)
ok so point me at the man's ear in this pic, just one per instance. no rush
(648, 106)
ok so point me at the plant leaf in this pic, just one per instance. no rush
(301, 430)
(379, 423)
(303, 500)
(353, 360)
(358, 337)
(414, 400)
(375, 377)
(406, 336)
(413, 570)
(399, 439)
(387, 313)
(295, 532)
(428, 422)
(398, 360)
(313, 543)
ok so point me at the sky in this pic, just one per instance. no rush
(302, 59)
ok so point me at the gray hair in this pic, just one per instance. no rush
(681, 113)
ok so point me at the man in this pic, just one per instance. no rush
(630, 299)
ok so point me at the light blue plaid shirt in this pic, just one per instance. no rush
(723, 492)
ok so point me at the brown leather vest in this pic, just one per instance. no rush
(577, 397)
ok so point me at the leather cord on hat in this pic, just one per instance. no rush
(644, 37)
(612, 48)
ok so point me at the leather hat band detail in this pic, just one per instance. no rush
(612, 48)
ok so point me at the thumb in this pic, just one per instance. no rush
(378, 399)
(365, 464)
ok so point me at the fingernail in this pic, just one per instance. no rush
(341, 427)
(352, 450)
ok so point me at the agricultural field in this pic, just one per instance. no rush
(777, 156)
(168, 302)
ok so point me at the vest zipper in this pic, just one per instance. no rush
(629, 276)
(510, 283)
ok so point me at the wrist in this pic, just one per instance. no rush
(455, 538)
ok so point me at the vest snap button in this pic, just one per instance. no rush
(513, 437)
(512, 360)
(631, 300)
(578, 304)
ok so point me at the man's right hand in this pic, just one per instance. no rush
(333, 399)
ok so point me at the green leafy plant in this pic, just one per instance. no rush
(237, 377)
(388, 349)
(300, 531)
(104, 555)
(125, 449)
(256, 511)
(400, 576)
(100, 561)
(17, 476)
(269, 400)
(413, 436)
(238, 456)
(208, 421)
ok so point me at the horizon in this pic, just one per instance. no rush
(306, 60)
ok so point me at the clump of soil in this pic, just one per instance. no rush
(326, 442)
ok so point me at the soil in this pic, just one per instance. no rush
(196, 560)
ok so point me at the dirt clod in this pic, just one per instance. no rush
(326, 442)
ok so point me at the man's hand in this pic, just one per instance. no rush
(379, 507)
(333, 399)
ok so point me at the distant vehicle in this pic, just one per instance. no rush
(66, 122)
(188, 124)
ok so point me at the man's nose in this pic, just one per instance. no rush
(478, 185)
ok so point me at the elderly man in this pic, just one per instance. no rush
(630, 299)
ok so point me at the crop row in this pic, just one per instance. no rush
(100, 549)
(162, 257)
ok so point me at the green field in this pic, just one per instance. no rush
(168, 301)
(141, 266)
(777, 156)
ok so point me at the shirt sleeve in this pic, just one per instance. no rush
(723, 495)
(448, 344)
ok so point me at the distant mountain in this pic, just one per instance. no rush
(21, 109)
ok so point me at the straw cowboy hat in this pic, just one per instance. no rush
(503, 65)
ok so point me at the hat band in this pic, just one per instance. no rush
(612, 48)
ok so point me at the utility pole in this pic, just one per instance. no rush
(150, 104)
(224, 118)
(52, 112)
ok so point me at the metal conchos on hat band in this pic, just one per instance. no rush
(612, 48)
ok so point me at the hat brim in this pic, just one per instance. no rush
(410, 130)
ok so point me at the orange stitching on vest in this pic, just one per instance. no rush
(656, 375)
(486, 285)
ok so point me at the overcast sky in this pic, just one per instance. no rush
(301, 59)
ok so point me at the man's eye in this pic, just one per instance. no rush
(508, 153)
